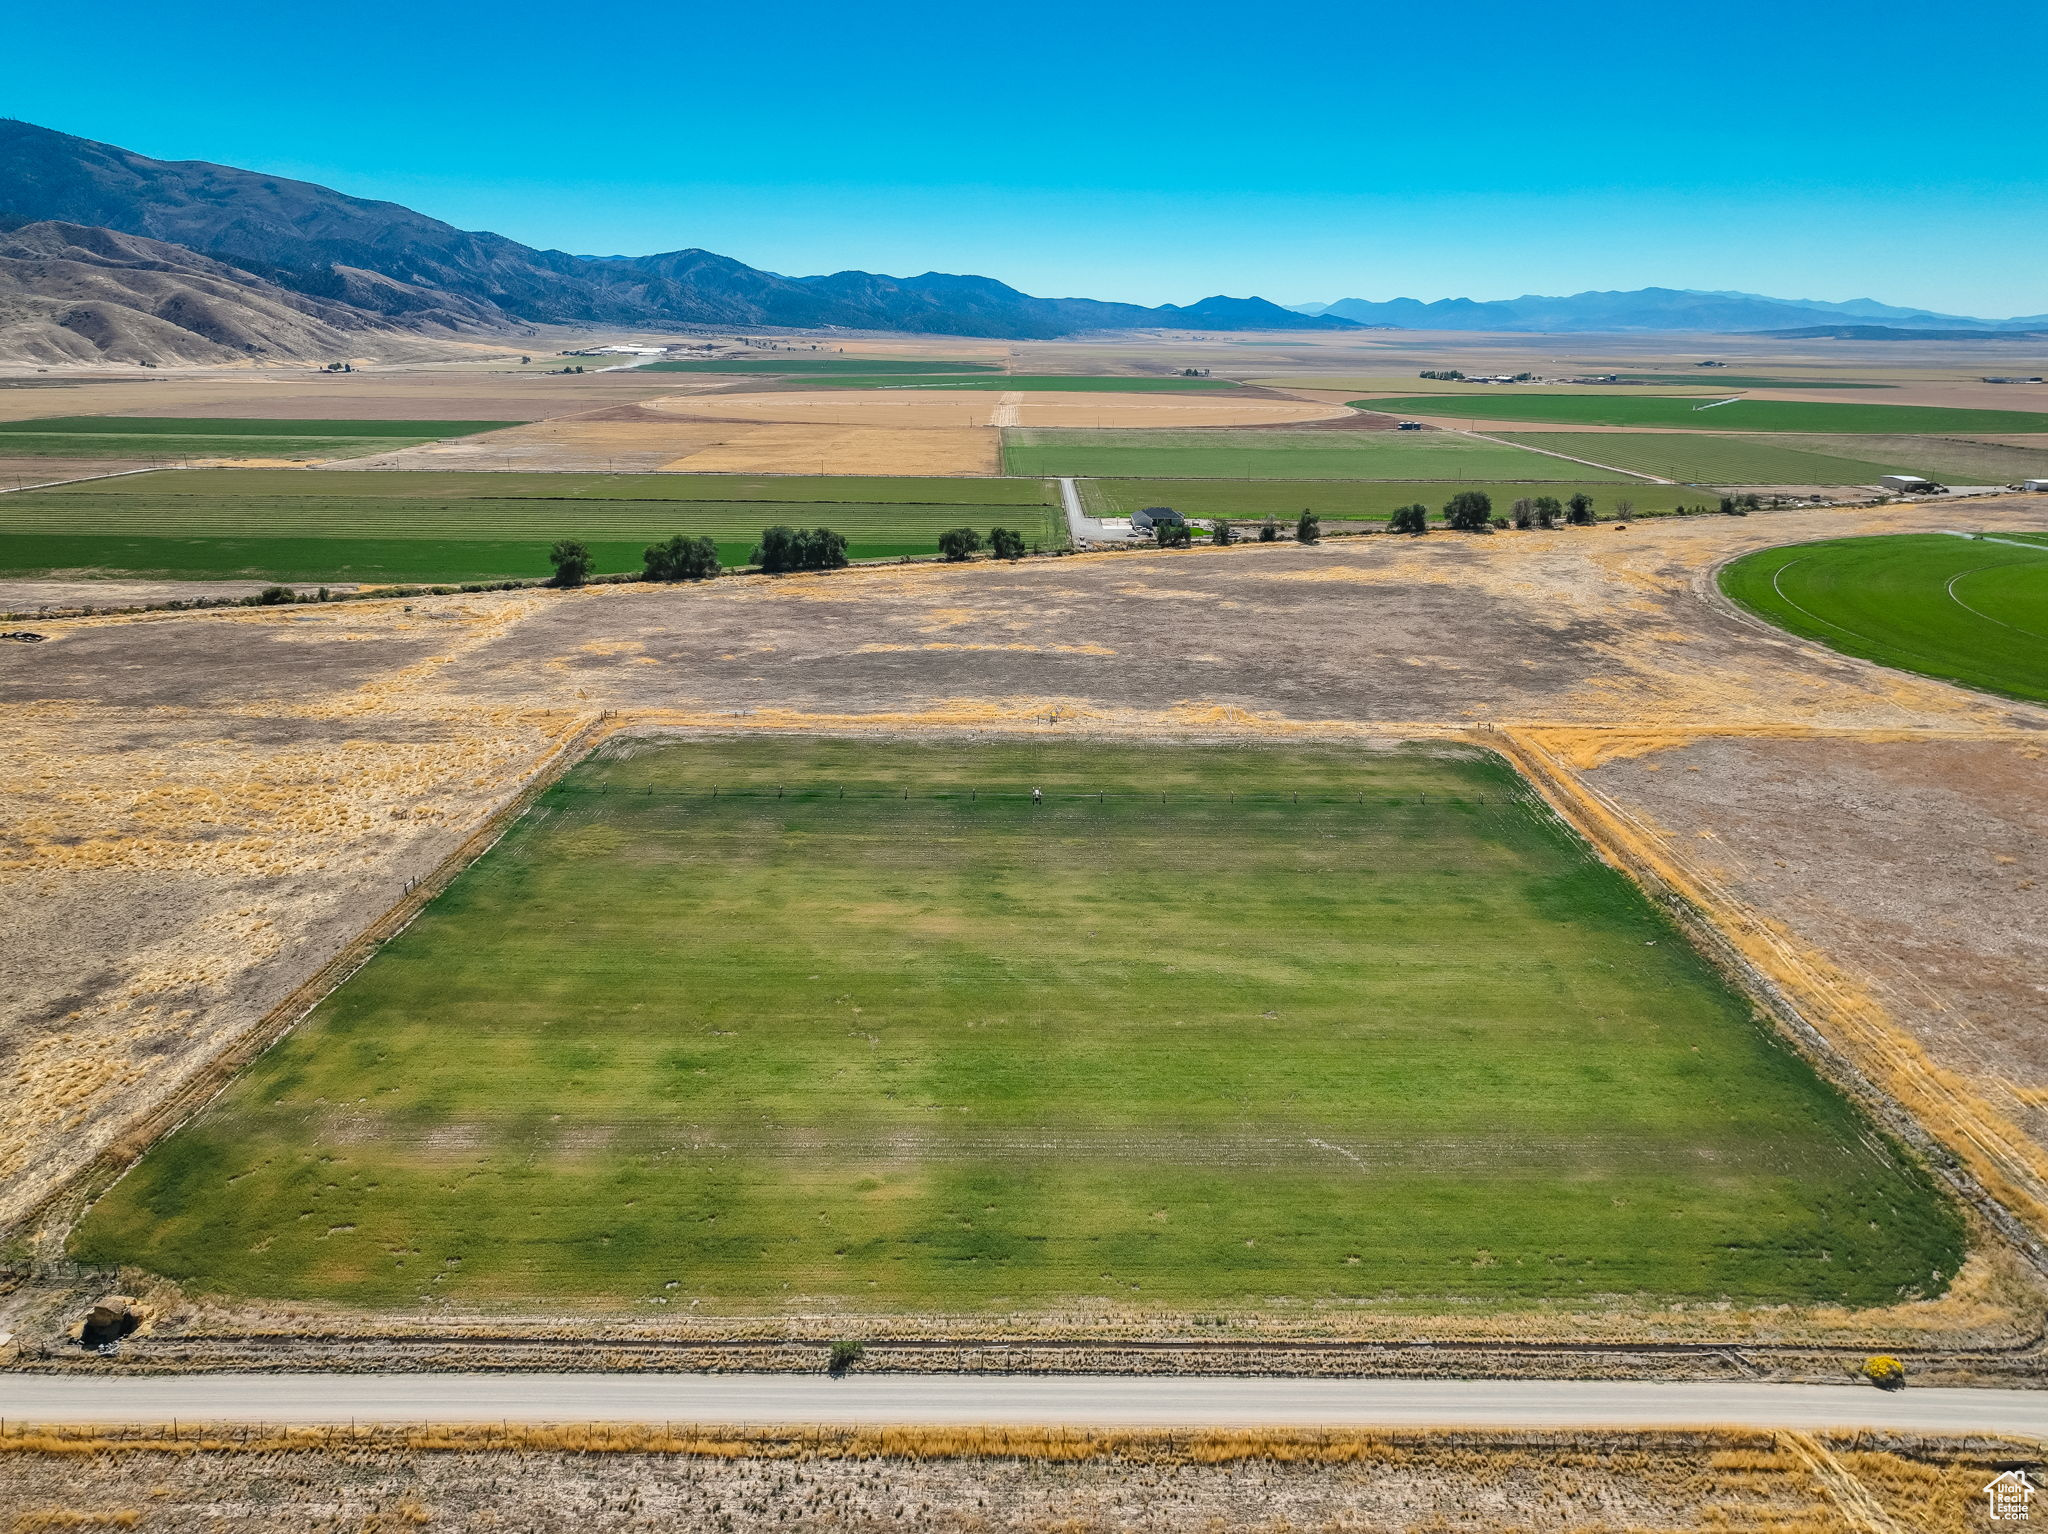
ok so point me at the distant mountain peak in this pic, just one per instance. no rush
(1664, 309)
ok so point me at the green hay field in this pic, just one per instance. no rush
(1079, 383)
(162, 438)
(1685, 415)
(1701, 459)
(1264, 454)
(802, 364)
(430, 527)
(1336, 500)
(1965, 610)
(866, 1031)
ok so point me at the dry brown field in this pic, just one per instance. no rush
(994, 1481)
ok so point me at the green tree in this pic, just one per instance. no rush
(1524, 513)
(1580, 507)
(958, 543)
(1004, 543)
(1171, 535)
(1469, 511)
(1624, 509)
(1309, 528)
(571, 561)
(681, 558)
(1409, 519)
(1269, 530)
(778, 550)
(819, 548)
(1222, 533)
(1549, 509)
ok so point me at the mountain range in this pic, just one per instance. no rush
(352, 263)
(106, 254)
(1678, 309)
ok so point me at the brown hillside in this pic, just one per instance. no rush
(72, 293)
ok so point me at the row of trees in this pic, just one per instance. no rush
(960, 543)
(1308, 528)
(783, 549)
(1471, 511)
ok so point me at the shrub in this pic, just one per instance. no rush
(571, 561)
(958, 543)
(844, 1356)
(1223, 533)
(1524, 513)
(1269, 530)
(1581, 508)
(1409, 519)
(1548, 509)
(1884, 1371)
(276, 596)
(1309, 528)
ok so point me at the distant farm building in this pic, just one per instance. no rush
(1154, 516)
(1906, 484)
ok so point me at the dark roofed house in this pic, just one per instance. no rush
(1144, 521)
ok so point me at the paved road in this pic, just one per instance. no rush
(1039, 1400)
(1085, 529)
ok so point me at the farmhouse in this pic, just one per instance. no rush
(1145, 520)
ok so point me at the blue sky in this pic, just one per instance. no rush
(1145, 152)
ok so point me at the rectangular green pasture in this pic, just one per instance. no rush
(1267, 454)
(437, 528)
(1739, 415)
(158, 438)
(1957, 460)
(1338, 500)
(800, 364)
(1701, 459)
(762, 1025)
(1089, 383)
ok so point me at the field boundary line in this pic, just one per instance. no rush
(1980, 1155)
(1611, 468)
(192, 1096)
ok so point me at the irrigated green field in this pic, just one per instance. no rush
(430, 527)
(806, 364)
(163, 438)
(1702, 459)
(1337, 500)
(760, 1025)
(1078, 383)
(1699, 415)
(1966, 610)
(1268, 454)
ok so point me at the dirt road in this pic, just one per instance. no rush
(1039, 1400)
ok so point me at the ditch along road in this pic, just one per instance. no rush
(1064, 1401)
